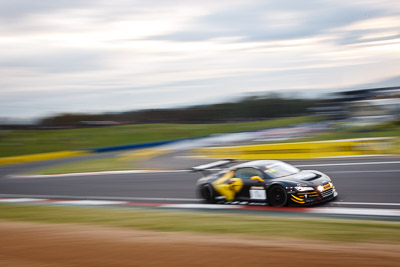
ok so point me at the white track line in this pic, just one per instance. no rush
(367, 203)
(201, 206)
(180, 171)
(91, 202)
(78, 174)
(327, 210)
(358, 156)
(362, 171)
(316, 210)
(355, 211)
(101, 198)
(18, 200)
(349, 164)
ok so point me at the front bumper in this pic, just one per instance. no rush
(314, 197)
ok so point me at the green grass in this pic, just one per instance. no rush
(175, 221)
(22, 142)
(340, 132)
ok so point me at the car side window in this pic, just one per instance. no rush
(247, 173)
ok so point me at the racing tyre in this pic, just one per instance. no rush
(207, 193)
(277, 196)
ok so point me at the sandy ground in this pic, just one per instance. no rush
(34, 244)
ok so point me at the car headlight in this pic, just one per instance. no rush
(320, 188)
(304, 188)
(332, 186)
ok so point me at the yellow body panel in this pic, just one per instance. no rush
(228, 186)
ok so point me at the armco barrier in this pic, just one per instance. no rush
(304, 150)
(42, 156)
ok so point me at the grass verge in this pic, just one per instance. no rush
(22, 142)
(174, 221)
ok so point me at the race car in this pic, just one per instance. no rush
(268, 181)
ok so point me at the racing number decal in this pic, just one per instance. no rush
(257, 193)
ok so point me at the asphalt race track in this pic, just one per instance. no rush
(361, 182)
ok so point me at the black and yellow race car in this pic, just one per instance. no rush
(268, 181)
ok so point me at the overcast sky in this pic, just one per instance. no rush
(60, 56)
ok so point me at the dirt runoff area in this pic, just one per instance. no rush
(34, 244)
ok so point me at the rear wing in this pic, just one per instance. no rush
(207, 167)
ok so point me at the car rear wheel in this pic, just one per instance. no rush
(277, 196)
(207, 193)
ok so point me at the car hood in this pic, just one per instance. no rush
(306, 178)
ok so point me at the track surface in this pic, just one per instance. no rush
(362, 182)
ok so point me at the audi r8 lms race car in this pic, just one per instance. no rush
(268, 181)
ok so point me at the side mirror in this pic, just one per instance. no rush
(257, 178)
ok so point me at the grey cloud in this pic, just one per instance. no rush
(16, 15)
(77, 91)
(15, 9)
(355, 37)
(249, 21)
(55, 62)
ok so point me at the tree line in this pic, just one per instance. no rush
(245, 109)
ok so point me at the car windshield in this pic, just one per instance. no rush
(278, 170)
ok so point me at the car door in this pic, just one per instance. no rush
(253, 190)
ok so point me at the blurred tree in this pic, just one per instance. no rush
(249, 108)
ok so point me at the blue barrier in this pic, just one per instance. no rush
(153, 144)
(132, 146)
